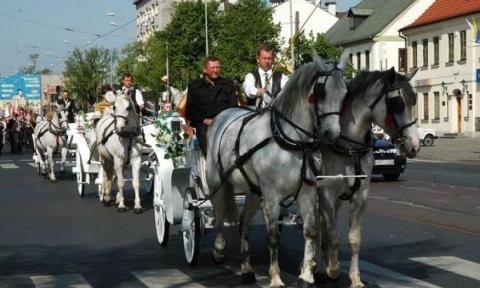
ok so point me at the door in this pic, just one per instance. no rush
(459, 115)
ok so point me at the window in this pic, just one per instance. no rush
(436, 105)
(470, 102)
(425, 106)
(425, 52)
(367, 60)
(436, 51)
(359, 61)
(451, 47)
(463, 45)
(414, 54)
(350, 56)
(402, 60)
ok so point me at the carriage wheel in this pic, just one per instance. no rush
(161, 224)
(81, 176)
(191, 228)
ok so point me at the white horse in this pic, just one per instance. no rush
(280, 166)
(49, 136)
(117, 144)
(386, 98)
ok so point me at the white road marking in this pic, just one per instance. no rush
(262, 276)
(166, 278)
(383, 277)
(8, 166)
(65, 280)
(452, 264)
(5, 161)
(425, 160)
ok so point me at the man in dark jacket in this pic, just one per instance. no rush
(207, 97)
(69, 104)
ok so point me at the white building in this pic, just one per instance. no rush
(152, 16)
(369, 32)
(319, 22)
(442, 45)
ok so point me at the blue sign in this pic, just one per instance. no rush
(24, 85)
(478, 75)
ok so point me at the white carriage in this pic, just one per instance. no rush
(88, 169)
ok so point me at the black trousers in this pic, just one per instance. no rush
(201, 132)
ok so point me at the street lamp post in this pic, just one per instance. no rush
(206, 30)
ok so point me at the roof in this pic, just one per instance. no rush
(442, 10)
(382, 13)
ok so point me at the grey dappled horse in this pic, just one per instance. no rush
(385, 98)
(306, 110)
(117, 144)
(49, 136)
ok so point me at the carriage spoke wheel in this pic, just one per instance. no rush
(191, 228)
(161, 224)
(81, 176)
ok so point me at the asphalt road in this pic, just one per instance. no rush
(420, 231)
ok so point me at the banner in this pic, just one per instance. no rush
(24, 85)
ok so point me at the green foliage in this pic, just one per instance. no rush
(174, 144)
(86, 70)
(245, 26)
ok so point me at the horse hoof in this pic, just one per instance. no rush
(248, 278)
(218, 258)
(122, 209)
(334, 274)
(138, 210)
(53, 180)
(107, 203)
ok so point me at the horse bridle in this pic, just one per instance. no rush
(124, 134)
(395, 104)
(319, 91)
(58, 130)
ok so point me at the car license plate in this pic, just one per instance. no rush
(384, 162)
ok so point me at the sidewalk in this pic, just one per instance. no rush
(452, 150)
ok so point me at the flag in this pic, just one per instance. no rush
(475, 29)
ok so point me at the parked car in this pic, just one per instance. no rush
(388, 161)
(427, 136)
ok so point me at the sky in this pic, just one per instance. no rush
(53, 28)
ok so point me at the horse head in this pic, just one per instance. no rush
(392, 110)
(61, 115)
(124, 114)
(327, 94)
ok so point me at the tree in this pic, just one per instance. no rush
(34, 58)
(85, 71)
(244, 27)
(305, 46)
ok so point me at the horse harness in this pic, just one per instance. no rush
(395, 104)
(58, 131)
(278, 134)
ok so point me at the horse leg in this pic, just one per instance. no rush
(52, 164)
(218, 200)
(330, 237)
(118, 165)
(252, 203)
(107, 174)
(136, 162)
(271, 210)
(354, 236)
(306, 204)
(64, 159)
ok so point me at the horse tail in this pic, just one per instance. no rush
(231, 212)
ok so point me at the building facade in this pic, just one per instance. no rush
(369, 32)
(319, 22)
(152, 16)
(443, 46)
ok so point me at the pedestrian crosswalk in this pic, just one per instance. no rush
(372, 275)
(8, 166)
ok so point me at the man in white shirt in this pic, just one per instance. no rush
(262, 83)
(137, 97)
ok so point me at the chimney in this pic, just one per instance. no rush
(331, 7)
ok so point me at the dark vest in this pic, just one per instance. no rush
(276, 85)
(133, 96)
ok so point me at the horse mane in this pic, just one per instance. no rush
(296, 88)
(359, 85)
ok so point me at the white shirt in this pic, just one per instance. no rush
(251, 90)
(138, 96)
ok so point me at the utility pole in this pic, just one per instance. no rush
(168, 79)
(206, 30)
